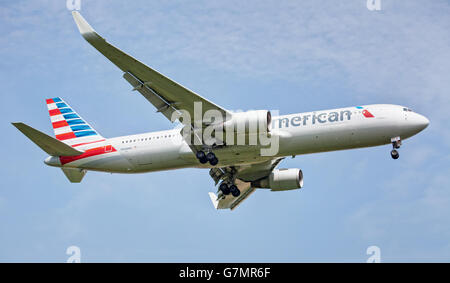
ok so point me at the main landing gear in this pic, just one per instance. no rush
(396, 143)
(207, 157)
(227, 189)
(227, 178)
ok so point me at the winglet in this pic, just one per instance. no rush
(83, 26)
(214, 200)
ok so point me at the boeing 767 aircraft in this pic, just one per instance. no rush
(225, 147)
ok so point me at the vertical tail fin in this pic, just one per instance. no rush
(68, 126)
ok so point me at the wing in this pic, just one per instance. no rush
(165, 94)
(245, 175)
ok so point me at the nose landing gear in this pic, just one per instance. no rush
(396, 143)
(395, 154)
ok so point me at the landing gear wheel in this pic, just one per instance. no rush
(224, 188)
(395, 154)
(235, 191)
(396, 143)
(210, 156)
(214, 161)
(201, 156)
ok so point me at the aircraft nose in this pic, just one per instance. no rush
(420, 122)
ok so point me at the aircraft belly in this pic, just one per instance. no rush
(160, 156)
(109, 162)
(337, 137)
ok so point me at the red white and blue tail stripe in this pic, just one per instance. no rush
(68, 126)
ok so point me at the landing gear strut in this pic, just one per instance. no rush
(396, 143)
(209, 157)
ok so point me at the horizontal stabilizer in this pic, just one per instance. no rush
(74, 175)
(48, 144)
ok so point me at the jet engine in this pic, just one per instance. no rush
(281, 180)
(250, 122)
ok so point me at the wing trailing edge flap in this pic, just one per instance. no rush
(162, 105)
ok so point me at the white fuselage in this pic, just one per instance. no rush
(301, 133)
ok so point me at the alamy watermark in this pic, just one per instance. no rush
(74, 253)
(214, 128)
(73, 5)
(373, 5)
(374, 253)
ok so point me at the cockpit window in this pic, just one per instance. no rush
(407, 109)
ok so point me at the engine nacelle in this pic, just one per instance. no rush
(281, 180)
(250, 122)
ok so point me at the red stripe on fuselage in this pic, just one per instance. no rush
(86, 143)
(66, 136)
(54, 112)
(87, 153)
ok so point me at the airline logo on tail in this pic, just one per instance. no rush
(68, 126)
(73, 130)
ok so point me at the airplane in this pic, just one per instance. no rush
(240, 168)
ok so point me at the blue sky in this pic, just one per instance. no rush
(291, 56)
